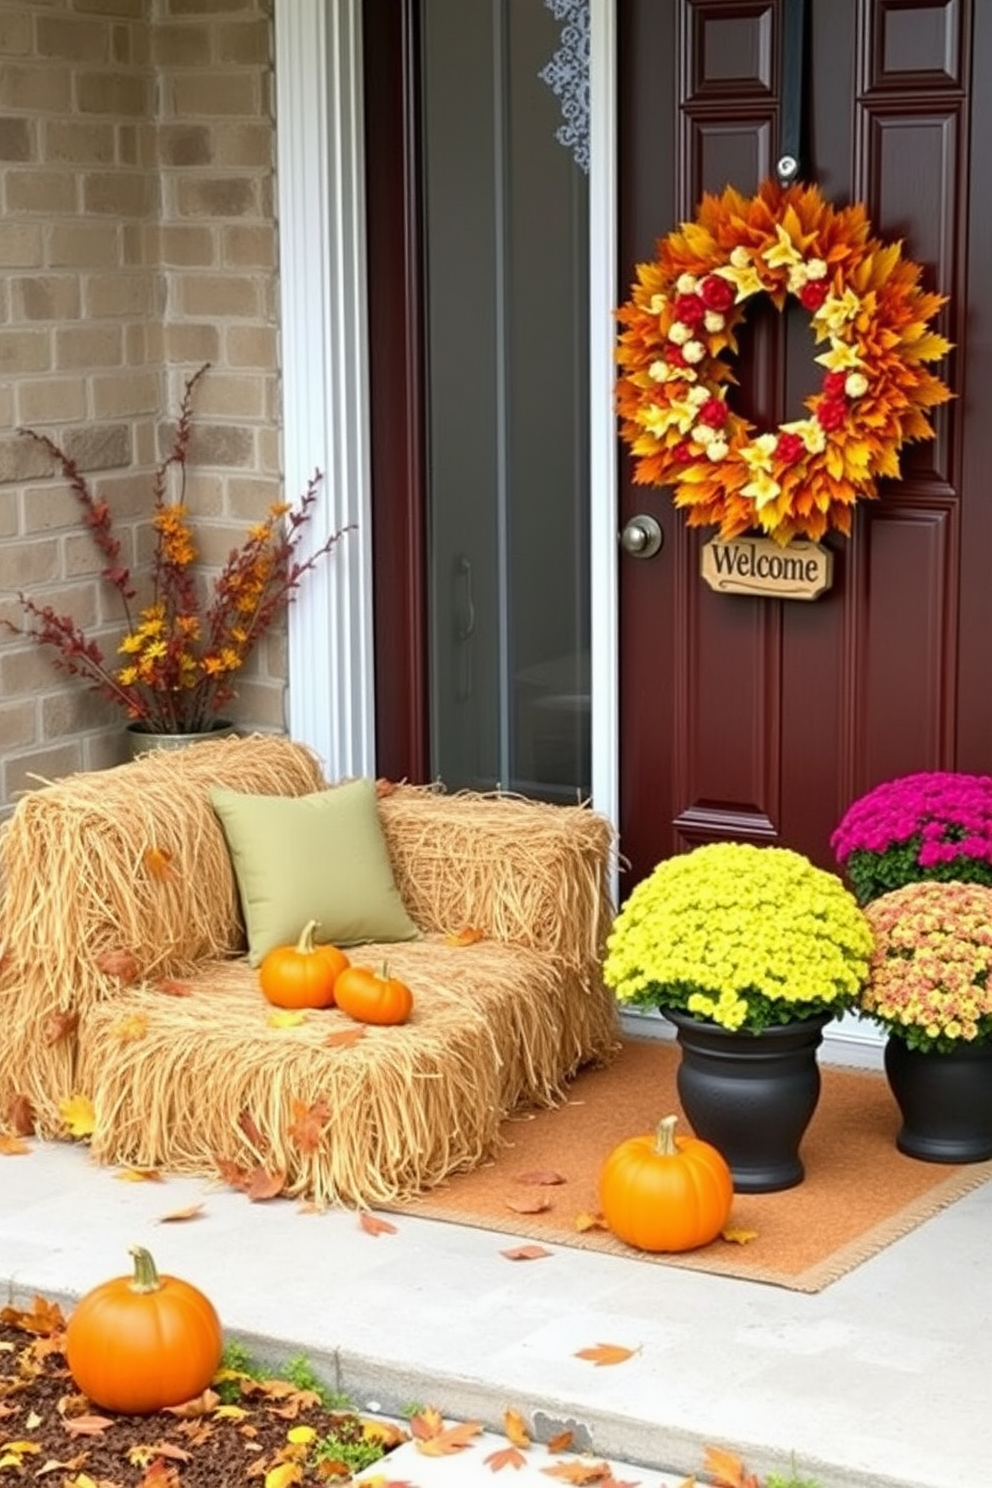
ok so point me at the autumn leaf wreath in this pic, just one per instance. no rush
(865, 303)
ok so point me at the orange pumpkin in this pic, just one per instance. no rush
(137, 1344)
(371, 996)
(661, 1192)
(304, 975)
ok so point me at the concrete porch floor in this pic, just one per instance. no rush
(880, 1381)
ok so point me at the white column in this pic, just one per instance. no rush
(322, 278)
(602, 419)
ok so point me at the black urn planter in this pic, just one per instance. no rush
(945, 1101)
(751, 1095)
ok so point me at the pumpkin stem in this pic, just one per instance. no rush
(146, 1278)
(305, 943)
(664, 1143)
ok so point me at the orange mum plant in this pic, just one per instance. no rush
(867, 310)
(183, 647)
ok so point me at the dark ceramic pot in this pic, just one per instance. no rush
(751, 1095)
(945, 1101)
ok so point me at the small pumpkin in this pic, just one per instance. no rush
(136, 1344)
(304, 975)
(371, 996)
(661, 1192)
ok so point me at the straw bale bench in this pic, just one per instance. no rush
(124, 979)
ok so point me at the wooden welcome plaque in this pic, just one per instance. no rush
(759, 565)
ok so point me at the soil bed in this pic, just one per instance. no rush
(241, 1430)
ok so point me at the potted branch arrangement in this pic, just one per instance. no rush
(185, 639)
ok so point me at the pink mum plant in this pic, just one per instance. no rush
(933, 825)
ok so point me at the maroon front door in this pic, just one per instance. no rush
(758, 718)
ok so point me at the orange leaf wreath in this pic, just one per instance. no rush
(865, 303)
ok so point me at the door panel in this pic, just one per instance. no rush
(756, 718)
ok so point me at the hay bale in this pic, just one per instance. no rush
(172, 1080)
(521, 871)
(131, 862)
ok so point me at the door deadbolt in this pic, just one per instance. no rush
(642, 537)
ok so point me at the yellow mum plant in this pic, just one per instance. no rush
(741, 936)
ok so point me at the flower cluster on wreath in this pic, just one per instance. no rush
(741, 936)
(930, 979)
(183, 646)
(935, 824)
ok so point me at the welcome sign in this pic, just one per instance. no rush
(758, 565)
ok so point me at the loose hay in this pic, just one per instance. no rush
(134, 861)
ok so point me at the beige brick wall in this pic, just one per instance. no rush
(137, 240)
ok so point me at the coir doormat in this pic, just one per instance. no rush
(859, 1194)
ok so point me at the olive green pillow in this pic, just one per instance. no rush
(320, 857)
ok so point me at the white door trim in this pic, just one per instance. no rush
(322, 268)
(602, 419)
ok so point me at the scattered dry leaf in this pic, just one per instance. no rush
(606, 1353)
(139, 1175)
(20, 1115)
(541, 1179)
(160, 1475)
(505, 1457)
(286, 1018)
(373, 1225)
(526, 1253)
(284, 1475)
(562, 1442)
(727, 1469)
(265, 1185)
(580, 1472)
(11, 1146)
(200, 1405)
(309, 1124)
(344, 1037)
(250, 1127)
(451, 1439)
(515, 1428)
(78, 1114)
(193, 1211)
(42, 1318)
(425, 1423)
(55, 1465)
(466, 936)
(386, 1433)
(128, 1030)
(158, 861)
(587, 1221)
(738, 1236)
(144, 1456)
(171, 988)
(59, 1026)
(534, 1205)
(87, 1425)
(120, 964)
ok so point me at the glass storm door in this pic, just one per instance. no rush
(503, 193)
